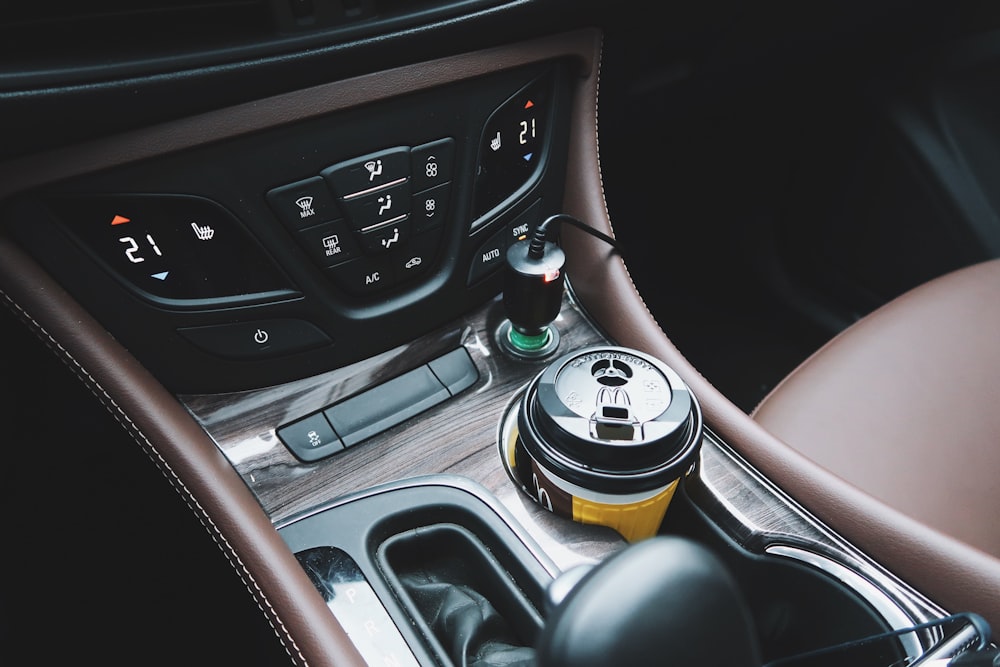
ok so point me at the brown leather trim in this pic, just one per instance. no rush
(186, 456)
(956, 576)
(902, 404)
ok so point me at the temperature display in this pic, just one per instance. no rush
(171, 246)
(512, 145)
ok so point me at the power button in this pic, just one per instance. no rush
(258, 339)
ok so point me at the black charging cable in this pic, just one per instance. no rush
(537, 248)
(983, 654)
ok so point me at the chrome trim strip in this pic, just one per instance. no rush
(887, 608)
(454, 481)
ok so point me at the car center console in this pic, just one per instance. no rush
(266, 257)
(320, 292)
(441, 473)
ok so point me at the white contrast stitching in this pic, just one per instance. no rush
(604, 200)
(189, 499)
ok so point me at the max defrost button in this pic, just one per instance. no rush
(256, 340)
(304, 203)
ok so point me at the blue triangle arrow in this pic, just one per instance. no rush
(161, 276)
(527, 157)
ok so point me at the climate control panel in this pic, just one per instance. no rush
(300, 248)
(372, 221)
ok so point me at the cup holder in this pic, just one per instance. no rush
(797, 609)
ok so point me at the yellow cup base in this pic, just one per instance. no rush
(635, 521)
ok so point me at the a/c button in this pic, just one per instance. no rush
(258, 339)
(364, 275)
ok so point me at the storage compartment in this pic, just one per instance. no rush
(384, 545)
(464, 599)
(415, 549)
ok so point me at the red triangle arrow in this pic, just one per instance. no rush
(529, 104)
(119, 220)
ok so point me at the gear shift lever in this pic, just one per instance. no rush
(665, 600)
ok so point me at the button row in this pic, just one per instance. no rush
(376, 213)
(375, 410)
(490, 254)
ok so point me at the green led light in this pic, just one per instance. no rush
(527, 343)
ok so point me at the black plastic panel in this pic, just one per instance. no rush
(172, 249)
(360, 288)
(379, 408)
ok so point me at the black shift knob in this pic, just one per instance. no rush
(666, 600)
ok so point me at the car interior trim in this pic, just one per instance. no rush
(605, 290)
(745, 505)
(875, 596)
(187, 458)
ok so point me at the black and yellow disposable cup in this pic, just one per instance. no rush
(603, 436)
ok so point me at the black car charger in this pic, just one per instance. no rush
(534, 280)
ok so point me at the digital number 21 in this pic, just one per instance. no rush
(132, 251)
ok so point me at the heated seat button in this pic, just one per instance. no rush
(258, 339)
(512, 146)
(311, 438)
(304, 203)
(175, 247)
(369, 171)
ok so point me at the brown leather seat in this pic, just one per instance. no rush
(905, 405)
